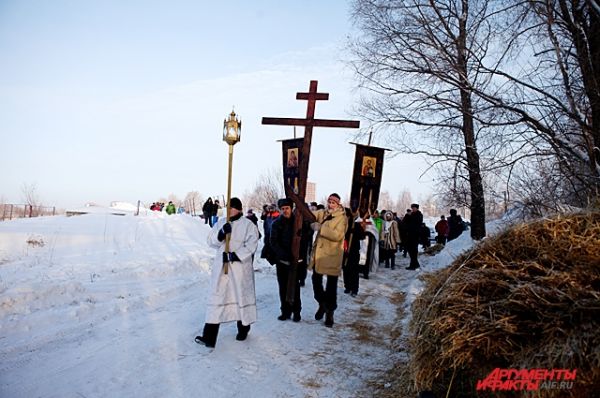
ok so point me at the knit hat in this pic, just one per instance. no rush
(235, 203)
(335, 197)
(285, 202)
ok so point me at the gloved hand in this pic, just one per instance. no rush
(226, 229)
(315, 226)
(230, 257)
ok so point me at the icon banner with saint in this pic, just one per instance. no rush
(292, 153)
(366, 179)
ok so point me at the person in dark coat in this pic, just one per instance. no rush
(455, 225)
(413, 225)
(215, 212)
(281, 236)
(207, 211)
(356, 233)
(425, 236)
(403, 227)
(252, 217)
(269, 216)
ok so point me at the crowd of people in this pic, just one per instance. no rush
(336, 243)
(169, 209)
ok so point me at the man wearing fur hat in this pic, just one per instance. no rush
(330, 225)
(282, 234)
(232, 296)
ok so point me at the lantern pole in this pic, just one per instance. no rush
(231, 135)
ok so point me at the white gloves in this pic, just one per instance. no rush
(315, 226)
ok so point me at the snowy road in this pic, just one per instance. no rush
(112, 306)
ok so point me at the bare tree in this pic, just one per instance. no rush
(31, 198)
(553, 96)
(29, 195)
(404, 201)
(193, 202)
(428, 205)
(417, 61)
(386, 202)
(267, 189)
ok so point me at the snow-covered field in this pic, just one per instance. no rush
(102, 305)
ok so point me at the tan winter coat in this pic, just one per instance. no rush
(390, 234)
(328, 249)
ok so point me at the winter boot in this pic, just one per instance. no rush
(209, 335)
(329, 319)
(242, 331)
(320, 312)
(296, 317)
(284, 316)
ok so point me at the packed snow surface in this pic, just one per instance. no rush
(104, 305)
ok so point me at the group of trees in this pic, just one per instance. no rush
(502, 96)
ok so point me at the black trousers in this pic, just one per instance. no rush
(283, 272)
(351, 279)
(328, 297)
(413, 252)
(390, 257)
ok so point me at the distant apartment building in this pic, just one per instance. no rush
(311, 192)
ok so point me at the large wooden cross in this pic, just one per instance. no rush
(309, 122)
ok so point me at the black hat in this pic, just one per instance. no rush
(415, 205)
(235, 203)
(285, 202)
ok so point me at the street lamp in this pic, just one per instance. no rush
(232, 131)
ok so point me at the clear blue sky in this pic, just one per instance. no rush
(124, 100)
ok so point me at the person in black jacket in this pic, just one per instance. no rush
(356, 233)
(413, 228)
(280, 241)
(455, 225)
(207, 212)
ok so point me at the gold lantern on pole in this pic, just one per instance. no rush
(232, 132)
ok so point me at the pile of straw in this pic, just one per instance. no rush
(526, 299)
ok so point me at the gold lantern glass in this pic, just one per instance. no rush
(232, 129)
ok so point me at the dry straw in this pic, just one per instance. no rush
(528, 298)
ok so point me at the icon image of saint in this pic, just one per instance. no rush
(292, 160)
(368, 166)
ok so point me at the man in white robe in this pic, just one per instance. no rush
(232, 295)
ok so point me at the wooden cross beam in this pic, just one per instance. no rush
(309, 122)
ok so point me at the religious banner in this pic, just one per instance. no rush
(291, 155)
(366, 179)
